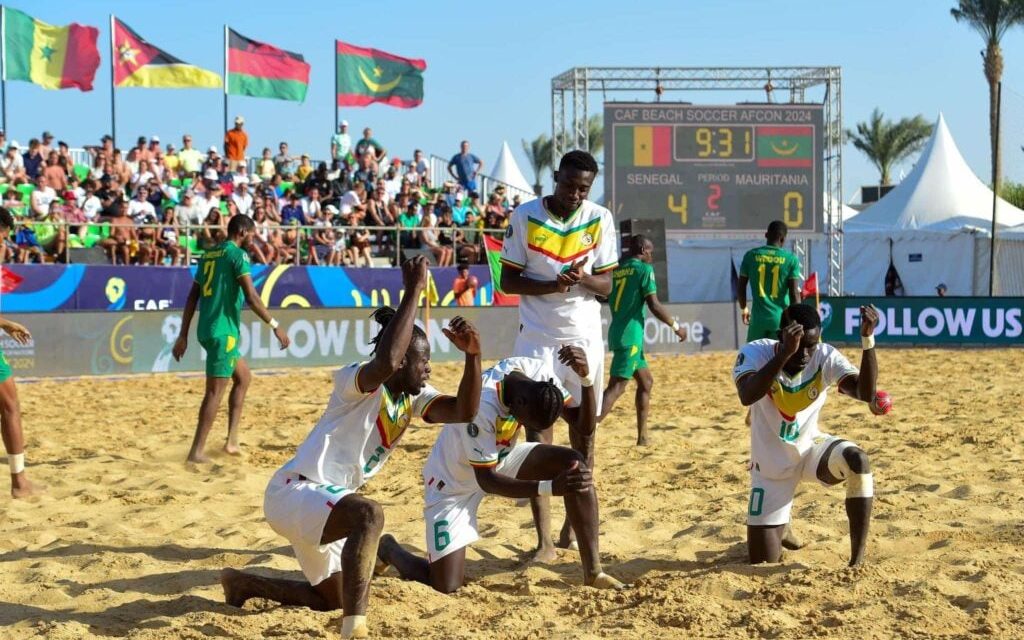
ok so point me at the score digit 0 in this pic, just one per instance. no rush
(793, 209)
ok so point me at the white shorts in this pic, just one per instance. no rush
(450, 519)
(771, 499)
(533, 345)
(298, 509)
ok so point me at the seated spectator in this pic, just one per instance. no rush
(90, 203)
(12, 165)
(167, 242)
(264, 251)
(321, 241)
(410, 219)
(419, 170)
(171, 161)
(311, 205)
(265, 168)
(56, 175)
(469, 205)
(354, 202)
(292, 213)
(214, 230)
(468, 239)
(27, 243)
(51, 233)
(140, 210)
(305, 168)
(39, 201)
(122, 235)
(365, 173)
(428, 239)
(360, 248)
(33, 159)
(494, 211)
(141, 177)
(111, 195)
(242, 197)
(319, 180)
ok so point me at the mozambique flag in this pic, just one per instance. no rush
(139, 64)
(643, 146)
(785, 146)
(370, 75)
(263, 71)
(493, 247)
(52, 57)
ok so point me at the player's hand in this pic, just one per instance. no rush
(282, 337)
(745, 314)
(180, 345)
(463, 335)
(792, 335)
(575, 358)
(868, 320)
(414, 273)
(16, 331)
(572, 480)
(681, 332)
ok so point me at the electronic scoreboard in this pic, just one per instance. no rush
(724, 169)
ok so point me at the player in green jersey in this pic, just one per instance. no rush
(222, 282)
(10, 408)
(633, 288)
(774, 276)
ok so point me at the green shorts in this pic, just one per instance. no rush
(5, 368)
(221, 356)
(627, 361)
(761, 331)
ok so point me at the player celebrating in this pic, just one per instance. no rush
(633, 288)
(222, 280)
(312, 500)
(558, 254)
(785, 383)
(775, 273)
(472, 459)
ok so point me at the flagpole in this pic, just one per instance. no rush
(3, 67)
(225, 78)
(113, 107)
(334, 125)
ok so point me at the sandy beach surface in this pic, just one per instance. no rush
(127, 542)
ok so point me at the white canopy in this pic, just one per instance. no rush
(941, 193)
(506, 170)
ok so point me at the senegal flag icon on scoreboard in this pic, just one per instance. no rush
(785, 146)
(642, 146)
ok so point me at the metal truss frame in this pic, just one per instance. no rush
(571, 90)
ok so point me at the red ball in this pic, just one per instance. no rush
(473, 282)
(882, 404)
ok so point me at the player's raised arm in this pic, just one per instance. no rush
(464, 406)
(181, 344)
(394, 340)
(862, 385)
(753, 386)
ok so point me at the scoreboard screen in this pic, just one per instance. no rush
(726, 169)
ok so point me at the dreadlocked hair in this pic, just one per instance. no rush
(802, 314)
(384, 315)
(548, 401)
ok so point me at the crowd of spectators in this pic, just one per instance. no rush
(157, 204)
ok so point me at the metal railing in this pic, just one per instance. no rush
(381, 236)
(485, 183)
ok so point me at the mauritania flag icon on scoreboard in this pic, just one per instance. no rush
(785, 146)
(643, 146)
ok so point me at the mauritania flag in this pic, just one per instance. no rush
(263, 71)
(643, 146)
(52, 57)
(785, 146)
(139, 64)
(370, 75)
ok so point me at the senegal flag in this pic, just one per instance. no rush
(643, 146)
(370, 75)
(52, 57)
(139, 64)
(263, 71)
(785, 146)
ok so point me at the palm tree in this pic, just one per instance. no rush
(595, 133)
(991, 19)
(886, 143)
(538, 152)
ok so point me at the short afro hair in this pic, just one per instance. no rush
(579, 160)
(803, 314)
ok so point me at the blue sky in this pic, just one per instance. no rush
(490, 67)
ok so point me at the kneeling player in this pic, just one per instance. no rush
(472, 459)
(312, 500)
(785, 383)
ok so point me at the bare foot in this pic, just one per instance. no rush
(231, 581)
(641, 441)
(21, 487)
(197, 458)
(545, 555)
(604, 581)
(232, 449)
(789, 539)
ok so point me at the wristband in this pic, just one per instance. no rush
(17, 463)
(867, 342)
(274, 323)
(544, 488)
(586, 381)
(675, 325)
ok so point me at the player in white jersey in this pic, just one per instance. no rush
(558, 253)
(470, 460)
(785, 383)
(312, 500)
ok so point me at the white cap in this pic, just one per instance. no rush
(154, 138)
(213, 149)
(209, 174)
(344, 123)
(240, 179)
(254, 179)
(239, 120)
(331, 209)
(14, 144)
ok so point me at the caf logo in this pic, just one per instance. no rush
(472, 430)
(587, 239)
(812, 393)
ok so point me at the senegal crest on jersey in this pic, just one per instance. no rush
(393, 417)
(563, 245)
(792, 400)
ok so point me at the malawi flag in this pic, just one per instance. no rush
(52, 57)
(261, 70)
(370, 75)
(139, 64)
(785, 146)
(643, 146)
(493, 247)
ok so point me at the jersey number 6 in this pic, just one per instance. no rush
(441, 537)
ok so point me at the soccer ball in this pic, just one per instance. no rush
(882, 404)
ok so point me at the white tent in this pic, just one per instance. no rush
(941, 193)
(506, 170)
